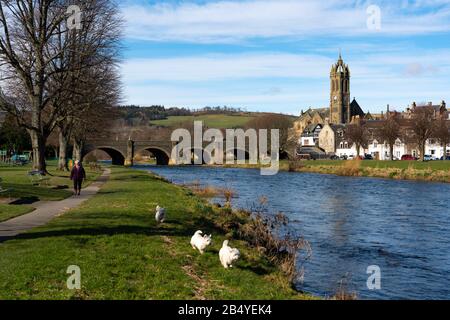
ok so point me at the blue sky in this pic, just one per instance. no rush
(275, 55)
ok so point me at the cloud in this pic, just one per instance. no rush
(286, 82)
(234, 21)
(418, 69)
(226, 67)
(219, 67)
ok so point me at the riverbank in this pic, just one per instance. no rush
(436, 171)
(123, 254)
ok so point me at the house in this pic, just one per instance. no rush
(310, 136)
(329, 135)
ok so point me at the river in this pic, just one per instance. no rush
(351, 223)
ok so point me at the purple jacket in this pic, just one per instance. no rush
(78, 174)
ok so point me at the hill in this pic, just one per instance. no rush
(223, 121)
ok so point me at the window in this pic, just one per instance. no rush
(346, 145)
(433, 152)
(375, 144)
(341, 145)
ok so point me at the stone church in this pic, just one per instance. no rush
(341, 110)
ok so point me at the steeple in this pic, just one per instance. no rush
(340, 92)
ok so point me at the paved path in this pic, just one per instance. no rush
(47, 210)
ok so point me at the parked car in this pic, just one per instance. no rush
(368, 157)
(334, 157)
(351, 157)
(343, 157)
(446, 158)
(408, 157)
(428, 157)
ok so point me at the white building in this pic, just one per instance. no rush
(380, 151)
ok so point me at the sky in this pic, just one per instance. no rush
(276, 55)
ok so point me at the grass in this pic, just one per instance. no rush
(123, 254)
(419, 165)
(221, 121)
(10, 211)
(15, 178)
(437, 171)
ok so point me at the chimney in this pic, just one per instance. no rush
(430, 104)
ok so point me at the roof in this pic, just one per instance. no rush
(323, 112)
(355, 109)
(311, 127)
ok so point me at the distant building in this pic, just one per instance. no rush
(323, 129)
(341, 110)
(310, 136)
(330, 136)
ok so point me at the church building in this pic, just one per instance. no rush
(341, 110)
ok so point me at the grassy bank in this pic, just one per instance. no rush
(209, 120)
(437, 171)
(123, 254)
(15, 179)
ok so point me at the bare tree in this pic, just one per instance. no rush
(441, 132)
(43, 59)
(390, 132)
(276, 121)
(93, 80)
(27, 31)
(356, 133)
(422, 127)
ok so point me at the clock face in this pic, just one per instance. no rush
(335, 98)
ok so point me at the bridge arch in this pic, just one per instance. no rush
(161, 155)
(117, 157)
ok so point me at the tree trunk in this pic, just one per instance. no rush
(38, 142)
(422, 151)
(77, 150)
(62, 162)
(358, 147)
(391, 152)
(445, 152)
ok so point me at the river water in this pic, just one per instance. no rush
(351, 223)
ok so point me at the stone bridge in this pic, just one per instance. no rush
(123, 152)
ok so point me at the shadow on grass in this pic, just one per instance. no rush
(101, 231)
(25, 200)
(258, 269)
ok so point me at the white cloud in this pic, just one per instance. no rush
(224, 67)
(283, 65)
(231, 21)
(286, 82)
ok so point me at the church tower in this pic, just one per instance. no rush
(340, 93)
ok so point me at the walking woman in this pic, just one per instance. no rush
(77, 175)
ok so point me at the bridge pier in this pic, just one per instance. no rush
(129, 160)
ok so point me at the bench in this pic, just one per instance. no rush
(38, 178)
